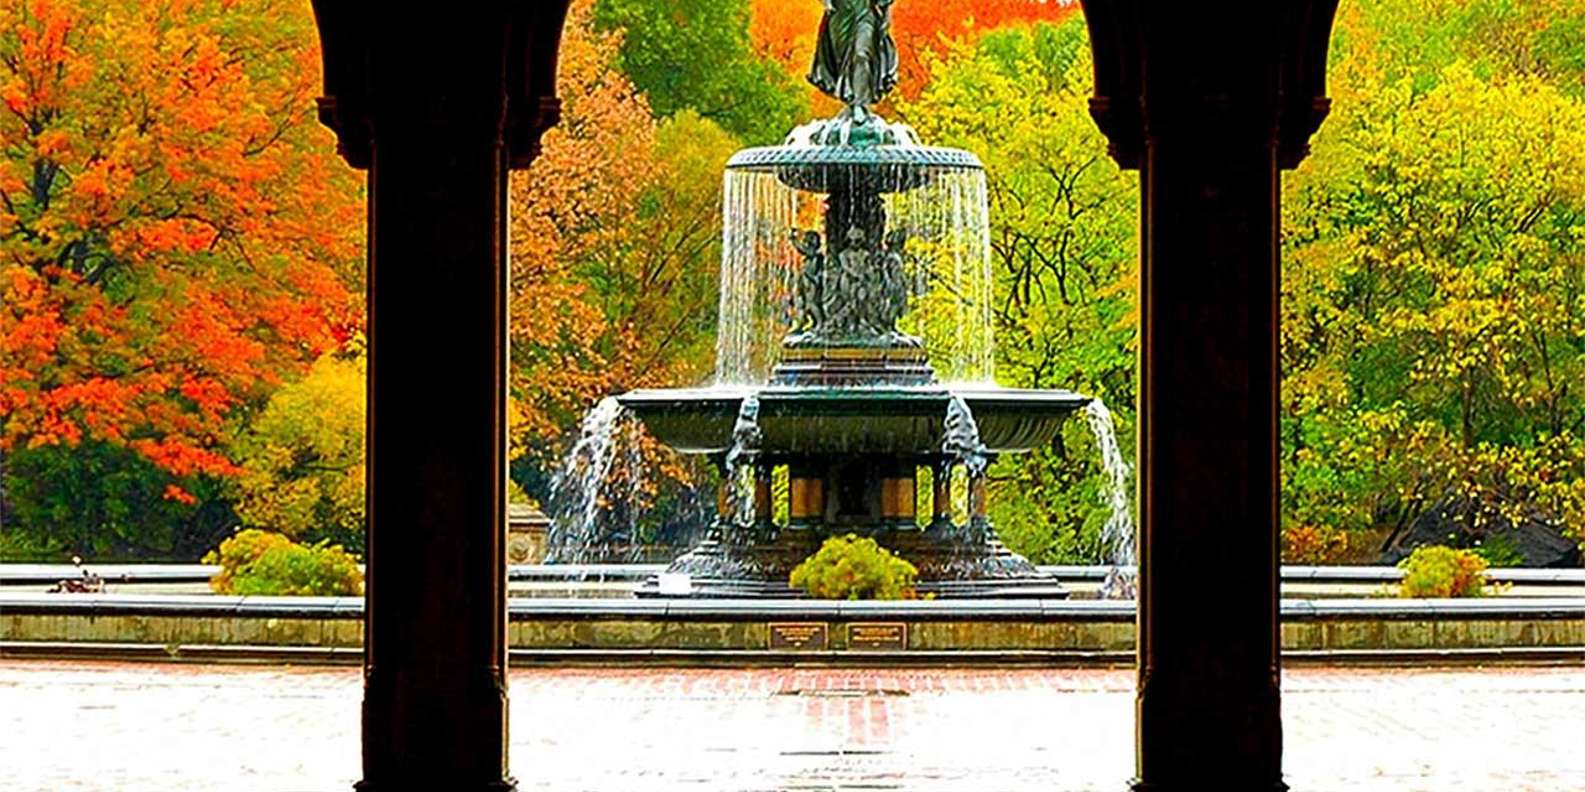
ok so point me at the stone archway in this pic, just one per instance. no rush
(1209, 102)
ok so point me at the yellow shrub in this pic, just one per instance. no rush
(1436, 571)
(849, 567)
(260, 562)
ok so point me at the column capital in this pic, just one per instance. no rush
(1256, 71)
(386, 68)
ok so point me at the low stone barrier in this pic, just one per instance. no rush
(35, 574)
(790, 630)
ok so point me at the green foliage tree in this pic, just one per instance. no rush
(1434, 283)
(103, 501)
(658, 283)
(1063, 244)
(1418, 39)
(696, 54)
(302, 457)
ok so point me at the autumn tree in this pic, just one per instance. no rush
(177, 237)
(615, 240)
(302, 456)
(615, 243)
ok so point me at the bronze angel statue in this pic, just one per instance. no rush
(855, 59)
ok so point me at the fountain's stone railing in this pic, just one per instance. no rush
(747, 631)
(44, 574)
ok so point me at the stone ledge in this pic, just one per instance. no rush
(691, 610)
(736, 626)
(45, 574)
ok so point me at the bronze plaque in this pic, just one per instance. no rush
(810, 636)
(878, 635)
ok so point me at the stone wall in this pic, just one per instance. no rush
(566, 628)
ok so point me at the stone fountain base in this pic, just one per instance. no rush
(953, 562)
(854, 458)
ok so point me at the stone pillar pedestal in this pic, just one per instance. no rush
(526, 532)
(941, 496)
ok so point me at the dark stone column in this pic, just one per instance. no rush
(1208, 703)
(435, 674)
(437, 106)
(1209, 102)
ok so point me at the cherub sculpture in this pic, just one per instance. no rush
(809, 310)
(845, 291)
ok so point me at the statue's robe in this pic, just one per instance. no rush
(855, 59)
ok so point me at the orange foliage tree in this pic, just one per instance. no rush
(785, 30)
(176, 237)
(615, 244)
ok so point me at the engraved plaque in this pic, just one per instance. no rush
(878, 635)
(808, 636)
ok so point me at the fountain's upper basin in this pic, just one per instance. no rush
(880, 420)
(827, 169)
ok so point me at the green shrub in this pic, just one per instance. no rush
(1499, 551)
(850, 567)
(17, 547)
(1437, 571)
(260, 562)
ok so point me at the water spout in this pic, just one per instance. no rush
(581, 488)
(740, 458)
(962, 437)
(1117, 535)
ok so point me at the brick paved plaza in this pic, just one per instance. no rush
(127, 727)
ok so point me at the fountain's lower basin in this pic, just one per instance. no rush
(802, 420)
(851, 455)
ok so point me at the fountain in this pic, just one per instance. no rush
(854, 359)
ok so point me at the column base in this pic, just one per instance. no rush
(435, 785)
(1197, 784)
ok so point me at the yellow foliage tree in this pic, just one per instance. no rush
(302, 458)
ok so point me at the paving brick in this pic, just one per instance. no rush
(174, 728)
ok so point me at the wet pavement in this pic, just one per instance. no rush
(174, 727)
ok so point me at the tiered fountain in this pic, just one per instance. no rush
(878, 371)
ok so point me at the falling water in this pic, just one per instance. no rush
(1117, 535)
(949, 247)
(758, 265)
(583, 485)
(944, 220)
